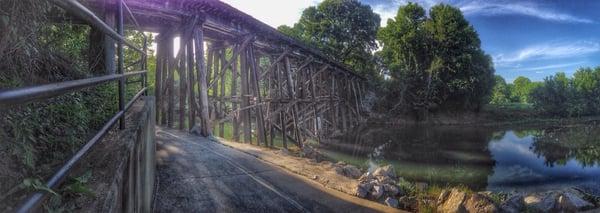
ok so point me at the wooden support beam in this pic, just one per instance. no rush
(158, 76)
(275, 62)
(205, 126)
(192, 83)
(170, 84)
(245, 115)
(292, 95)
(181, 70)
(256, 90)
(234, 86)
(222, 92)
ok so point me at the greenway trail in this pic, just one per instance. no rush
(195, 174)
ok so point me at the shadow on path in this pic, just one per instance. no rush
(195, 174)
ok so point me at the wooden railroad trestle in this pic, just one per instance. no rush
(232, 68)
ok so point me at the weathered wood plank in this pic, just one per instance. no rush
(205, 126)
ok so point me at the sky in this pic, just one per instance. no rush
(534, 39)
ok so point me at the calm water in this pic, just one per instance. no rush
(495, 159)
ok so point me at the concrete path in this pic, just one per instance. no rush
(198, 175)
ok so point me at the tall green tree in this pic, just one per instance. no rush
(522, 87)
(436, 61)
(345, 30)
(500, 92)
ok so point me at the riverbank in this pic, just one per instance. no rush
(489, 116)
(383, 186)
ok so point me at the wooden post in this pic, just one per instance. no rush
(256, 90)
(182, 83)
(192, 82)
(234, 105)
(222, 93)
(292, 95)
(205, 126)
(170, 85)
(209, 69)
(282, 122)
(165, 75)
(245, 115)
(158, 76)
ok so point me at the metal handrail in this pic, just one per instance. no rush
(82, 12)
(26, 94)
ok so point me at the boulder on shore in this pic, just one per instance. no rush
(385, 171)
(348, 170)
(392, 202)
(557, 202)
(456, 200)
(513, 204)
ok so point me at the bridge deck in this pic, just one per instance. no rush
(195, 174)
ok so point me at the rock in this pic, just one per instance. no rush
(361, 192)
(308, 151)
(480, 202)
(196, 130)
(376, 192)
(452, 201)
(284, 152)
(339, 170)
(541, 202)
(570, 202)
(351, 171)
(385, 180)
(392, 190)
(363, 189)
(385, 171)
(392, 202)
(406, 202)
(442, 197)
(513, 204)
(366, 177)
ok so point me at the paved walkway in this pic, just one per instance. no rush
(198, 175)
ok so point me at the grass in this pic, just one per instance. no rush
(277, 140)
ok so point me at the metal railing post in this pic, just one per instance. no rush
(145, 65)
(120, 65)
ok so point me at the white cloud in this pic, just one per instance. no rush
(489, 8)
(549, 67)
(548, 51)
(273, 12)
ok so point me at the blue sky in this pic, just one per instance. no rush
(525, 38)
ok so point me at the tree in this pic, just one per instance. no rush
(500, 92)
(342, 29)
(522, 88)
(553, 96)
(436, 61)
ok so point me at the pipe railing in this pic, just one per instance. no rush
(23, 95)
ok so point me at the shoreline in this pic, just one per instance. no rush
(415, 196)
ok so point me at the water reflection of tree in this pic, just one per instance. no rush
(559, 145)
(442, 155)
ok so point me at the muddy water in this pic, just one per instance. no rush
(518, 158)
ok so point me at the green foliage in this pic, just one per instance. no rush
(521, 89)
(36, 184)
(77, 185)
(500, 92)
(435, 62)
(562, 96)
(342, 29)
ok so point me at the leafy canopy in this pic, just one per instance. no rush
(342, 29)
(436, 61)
